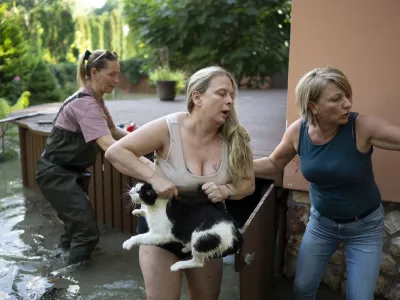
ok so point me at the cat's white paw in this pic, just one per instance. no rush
(177, 266)
(186, 250)
(128, 244)
(186, 264)
(138, 212)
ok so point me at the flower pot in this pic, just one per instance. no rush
(166, 90)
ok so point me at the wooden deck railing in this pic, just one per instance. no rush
(108, 187)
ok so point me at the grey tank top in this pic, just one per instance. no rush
(174, 168)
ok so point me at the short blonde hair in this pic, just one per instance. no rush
(240, 155)
(312, 84)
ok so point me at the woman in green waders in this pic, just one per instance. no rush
(82, 126)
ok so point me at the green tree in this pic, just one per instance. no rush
(117, 36)
(51, 25)
(59, 29)
(88, 33)
(28, 4)
(129, 43)
(82, 35)
(100, 25)
(249, 38)
(13, 55)
(108, 7)
(95, 30)
(113, 30)
(42, 85)
(107, 32)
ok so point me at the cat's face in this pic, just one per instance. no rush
(134, 193)
(143, 193)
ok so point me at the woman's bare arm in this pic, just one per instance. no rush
(124, 155)
(245, 189)
(267, 167)
(118, 133)
(376, 131)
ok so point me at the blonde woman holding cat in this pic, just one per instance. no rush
(205, 146)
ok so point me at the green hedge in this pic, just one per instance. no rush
(43, 85)
(65, 75)
(135, 68)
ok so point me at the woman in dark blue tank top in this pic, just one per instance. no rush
(335, 147)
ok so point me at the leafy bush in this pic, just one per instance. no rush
(165, 73)
(13, 60)
(65, 74)
(134, 68)
(43, 85)
(7, 142)
(249, 38)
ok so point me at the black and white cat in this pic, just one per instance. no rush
(205, 229)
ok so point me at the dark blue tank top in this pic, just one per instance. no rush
(342, 183)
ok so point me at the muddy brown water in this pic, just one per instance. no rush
(29, 232)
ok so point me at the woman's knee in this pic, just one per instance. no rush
(85, 225)
(307, 278)
(304, 288)
(205, 282)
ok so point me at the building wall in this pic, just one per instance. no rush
(362, 38)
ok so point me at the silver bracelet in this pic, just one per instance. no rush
(229, 190)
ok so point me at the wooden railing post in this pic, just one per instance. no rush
(22, 151)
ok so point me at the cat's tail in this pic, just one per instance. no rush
(238, 241)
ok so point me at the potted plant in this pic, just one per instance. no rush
(168, 82)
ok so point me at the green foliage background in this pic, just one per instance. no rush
(249, 38)
(41, 40)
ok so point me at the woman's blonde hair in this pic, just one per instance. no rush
(311, 85)
(97, 59)
(240, 154)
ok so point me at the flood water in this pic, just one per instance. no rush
(29, 232)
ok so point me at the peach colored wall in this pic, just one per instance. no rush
(362, 38)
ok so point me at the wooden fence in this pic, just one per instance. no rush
(107, 190)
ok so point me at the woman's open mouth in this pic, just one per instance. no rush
(225, 112)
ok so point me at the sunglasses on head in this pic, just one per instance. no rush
(107, 53)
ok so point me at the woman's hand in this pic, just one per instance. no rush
(163, 187)
(216, 193)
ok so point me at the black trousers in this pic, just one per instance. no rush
(67, 192)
